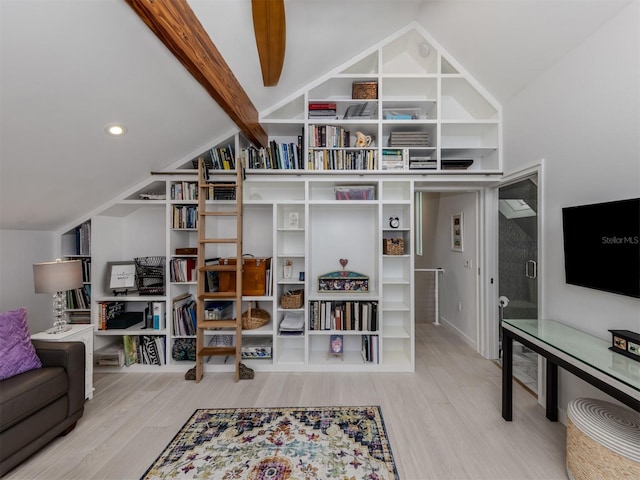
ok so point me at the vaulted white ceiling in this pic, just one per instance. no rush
(68, 68)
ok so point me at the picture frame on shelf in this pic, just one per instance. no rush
(336, 346)
(121, 277)
(457, 230)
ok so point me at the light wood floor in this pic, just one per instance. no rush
(443, 421)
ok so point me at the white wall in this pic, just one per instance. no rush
(19, 250)
(582, 117)
(458, 284)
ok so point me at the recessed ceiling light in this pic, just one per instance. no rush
(116, 130)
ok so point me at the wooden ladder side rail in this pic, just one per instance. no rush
(202, 275)
(202, 350)
(239, 265)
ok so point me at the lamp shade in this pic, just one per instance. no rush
(51, 277)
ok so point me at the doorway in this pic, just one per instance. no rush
(518, 267)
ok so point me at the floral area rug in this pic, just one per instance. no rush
(346, 443)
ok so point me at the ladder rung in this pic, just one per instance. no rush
(207, 185)
(218, 268)
(207, 324)
(219, 240)
(212, 351)
(217, 295)
(219, 214)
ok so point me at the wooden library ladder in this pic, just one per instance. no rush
(212, 212)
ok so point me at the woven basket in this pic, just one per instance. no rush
(255, 317)
(393, 246)
(150, 275)
(292, 299)
(602, 440)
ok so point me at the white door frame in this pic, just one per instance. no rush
(489, 332)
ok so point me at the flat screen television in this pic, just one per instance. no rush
(602, 246)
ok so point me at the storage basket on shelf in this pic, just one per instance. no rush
(255, 317)
(150, 275)
(292, 299)
(393, 246)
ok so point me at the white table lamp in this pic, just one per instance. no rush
(58, 277)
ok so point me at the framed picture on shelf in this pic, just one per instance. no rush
(336, 345)
(121, 277)
(456, 232)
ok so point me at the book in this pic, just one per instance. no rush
(322, 106)
(184, 315)
(130, 343)
(109, 311)
(158, 316)
(152, 350)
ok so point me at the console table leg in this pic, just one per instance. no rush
(507, 373)
(552, 391)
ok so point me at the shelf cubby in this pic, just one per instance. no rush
(409, 54)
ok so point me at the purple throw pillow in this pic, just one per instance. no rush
(17, 354)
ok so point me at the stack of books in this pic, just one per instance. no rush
(421, 159)
(325, 111)
(408, 139)
(393, 159)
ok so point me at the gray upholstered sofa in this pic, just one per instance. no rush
(41, 404)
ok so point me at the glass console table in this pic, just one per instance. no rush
(584, 355)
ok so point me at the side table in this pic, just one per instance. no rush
(78, 333)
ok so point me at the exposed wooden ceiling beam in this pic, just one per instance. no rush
(177, 26)
(269, 26)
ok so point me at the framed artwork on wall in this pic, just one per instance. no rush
(456, 232)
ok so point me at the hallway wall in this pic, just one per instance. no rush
(582, 118)
(458, 285)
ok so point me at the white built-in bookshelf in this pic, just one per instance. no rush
(294, 217)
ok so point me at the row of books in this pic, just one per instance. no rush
(183, 269)
(108, 311)
(144, 349)
(184, 315)
(331, 136)
(220, 191)
(114, 315)
(79, 317)
(83, 239)
(343, 315)
(184, 191)
(342, 160)
(370, 349)
(86, 270)
(217, 158)
(185, 216)
(407, 159)
(189, 191)
(79, 298)
(278, 156)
